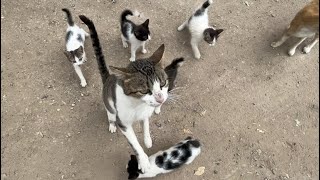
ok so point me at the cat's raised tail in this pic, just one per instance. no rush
(104, 72)
(69, 17)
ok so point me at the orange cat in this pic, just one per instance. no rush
(305, 24)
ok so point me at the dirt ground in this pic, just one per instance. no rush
(254, 108)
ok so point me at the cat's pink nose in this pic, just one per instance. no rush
(159, 97)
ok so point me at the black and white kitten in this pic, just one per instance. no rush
(198, 25)
(166, 161)
(131, 94)
(137, 35)
(75, 46)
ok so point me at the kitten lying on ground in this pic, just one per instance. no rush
(198, 25)
(166, 161)
(75, 46)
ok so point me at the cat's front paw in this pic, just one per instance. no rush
(306, 49)
(197, 56)
(148, 141)
(83, 83)
(157, 110)
(274, 44)
(132, 59)
(112, 128)
(125, 44)
(291, 52)
(144, 163)
(144, 51)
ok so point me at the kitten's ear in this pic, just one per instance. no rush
(133, 157)
(119, 71)
(81, 49)
(157, 56)
(219, 31)
(146, 23)
(69, 56)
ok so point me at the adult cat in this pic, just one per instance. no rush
(132, 93)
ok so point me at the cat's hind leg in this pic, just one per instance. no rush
(280, 41)
(112, 122)
(124, 41)
(182, 26)
(292, 50)
(79, 73)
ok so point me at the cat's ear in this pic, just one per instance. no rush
(157, 56)
(219, 31)
(133, 157)
(119, 71)
(81, 49)
(146, 23)
(69, 56)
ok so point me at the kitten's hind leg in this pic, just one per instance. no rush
(182, 26)
(124, 41)
(195, 49)
(308, 48)
(146, 134)
(112, 122)
(293, 49)
(79, 73)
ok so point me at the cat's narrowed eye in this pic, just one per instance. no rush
(147, 91)
(163, 83)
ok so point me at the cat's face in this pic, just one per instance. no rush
(133, 168)
(145, 79)
(211, 35)
(142, 32)
(76, 55)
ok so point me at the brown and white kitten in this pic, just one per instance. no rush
(137, 35)
(304, 25)
(132, 93)
(198, 25)
(75, 46)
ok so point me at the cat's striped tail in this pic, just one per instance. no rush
(104, 72)
(69, 17)
(206, 4)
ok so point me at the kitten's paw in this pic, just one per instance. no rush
(125, 44)
(197, 56)
(291, 52)
(144, 51)
(112, 127)
(274, 44)
(180, 28)
(132, 59)
(144, 163)
(306, 49)
(157, 110)
(86, 34)
(148, 141)
(83, 83)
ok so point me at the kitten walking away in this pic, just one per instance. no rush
(75, 46)
(198, 25)
(304, 25)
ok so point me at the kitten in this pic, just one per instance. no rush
(166, 161)
(198, 25)
(137, 35)
(132, 93)
(305, 24)
(75, 46)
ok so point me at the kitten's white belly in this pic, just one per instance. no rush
(131, 109)
(197, 25)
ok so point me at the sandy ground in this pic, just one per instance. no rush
(254, 108)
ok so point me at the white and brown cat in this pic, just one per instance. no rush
(133, 93)
(198, 25)
(75, 46)
(304, 25)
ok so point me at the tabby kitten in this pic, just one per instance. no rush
(137, 35)
(132, 93)
(75, 46)
(198, 25)
(166, 161)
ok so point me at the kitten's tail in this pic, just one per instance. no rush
(126, 13)
(172, 70)
(69, 17)
(206, 4)
(104, 72)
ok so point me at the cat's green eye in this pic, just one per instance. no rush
(163, 83)
(147, 91)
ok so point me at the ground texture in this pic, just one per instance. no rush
(254, 108)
